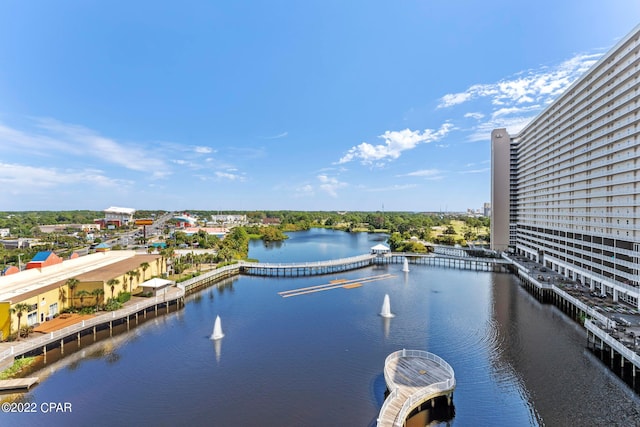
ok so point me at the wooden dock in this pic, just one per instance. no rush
(306, 268)
(447, 261)
(17, 384)
(334, 284)
(414, 377)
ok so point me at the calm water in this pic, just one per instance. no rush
(316, 360)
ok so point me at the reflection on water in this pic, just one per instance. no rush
(440, 414)
(217, 346)
(317, 359)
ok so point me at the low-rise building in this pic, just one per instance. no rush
(229, 219)
(43, 259)
(43, 293)
(61, 228)
(117, 216)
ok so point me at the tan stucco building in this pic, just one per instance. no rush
(46, 291)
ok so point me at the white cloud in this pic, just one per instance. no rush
(305, 190)
(425, 173)
(538, 85)
(227, 176)
(50, 138)
(452, 99)
(22, 179)
(16, 140)
(395, 142)
(278, 136)
(513, 125)
(330, 185)
(507, 111)
(396, 187)
(476, 116)
(129, 156)
(203, 150)
(483, 170)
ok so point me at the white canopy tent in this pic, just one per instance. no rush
(380, 249)
(156, 286)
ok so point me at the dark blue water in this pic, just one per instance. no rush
(316, 360)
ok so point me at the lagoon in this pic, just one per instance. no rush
(317, 359)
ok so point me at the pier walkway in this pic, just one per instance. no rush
(17, 384)
(306, 268)
(360, 261)
(300, 269)
(464, 262)
(414, 377)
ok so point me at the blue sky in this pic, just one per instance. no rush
(300, 105)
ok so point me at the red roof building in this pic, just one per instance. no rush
(43, 259)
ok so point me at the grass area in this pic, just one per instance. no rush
(459, 228)
(18, 365)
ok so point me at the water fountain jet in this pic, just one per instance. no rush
(386, 307)
(217, 330)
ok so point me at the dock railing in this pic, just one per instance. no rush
(350, 260)
(420, 395)
(581, 305)
(231, 269)
(35, 342)
(627, 353)
(387, 402)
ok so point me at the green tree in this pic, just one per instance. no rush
(132, 274)
(82, 294)
(395, 242)
(72, 283)
(98, 293)
(62, 295)
(112, 283)
(272, 234)
(18, 309)
(136, 275)
(144, 266)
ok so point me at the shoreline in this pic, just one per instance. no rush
(545, 293)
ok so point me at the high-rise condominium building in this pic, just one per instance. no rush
(565, 191)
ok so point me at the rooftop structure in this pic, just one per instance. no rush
(43, 259)
(118, 216)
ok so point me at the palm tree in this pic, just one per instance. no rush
(18, 309)
(132, 274)
(113, 283)
(83, 293)
(97, 293)
(62, 295)
(144, 266)
(72, 284)
(167, 254)
(136, 275)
